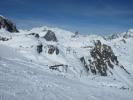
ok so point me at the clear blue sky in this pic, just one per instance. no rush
(85, 16)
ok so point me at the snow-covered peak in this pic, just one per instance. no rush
(61, 34)
(2, 17)
(128, 34)
(58, 31)
(130, 30)
(125, 35)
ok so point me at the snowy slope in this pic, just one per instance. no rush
(24, 80)
(26, 74)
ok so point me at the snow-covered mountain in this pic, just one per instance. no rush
(47, 63)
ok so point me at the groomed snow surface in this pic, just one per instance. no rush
(25, 75)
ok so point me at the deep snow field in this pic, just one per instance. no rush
(25, 74)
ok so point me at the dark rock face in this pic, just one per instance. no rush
(39, 48)
(103, 57)
(8, 25)
(82, 59)
(50, 36)
(52, 49)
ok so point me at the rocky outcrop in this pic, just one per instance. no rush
(36, 35)
(82, 59)
(50, 36)
(39, 48)
(52, 49)
(76, 34)
(103, 58)
(7, 24)
(4, 38)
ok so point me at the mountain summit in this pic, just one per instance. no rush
(7, 25)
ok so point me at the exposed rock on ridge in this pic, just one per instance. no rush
(7, 24)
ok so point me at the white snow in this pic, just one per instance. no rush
(25, 74)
